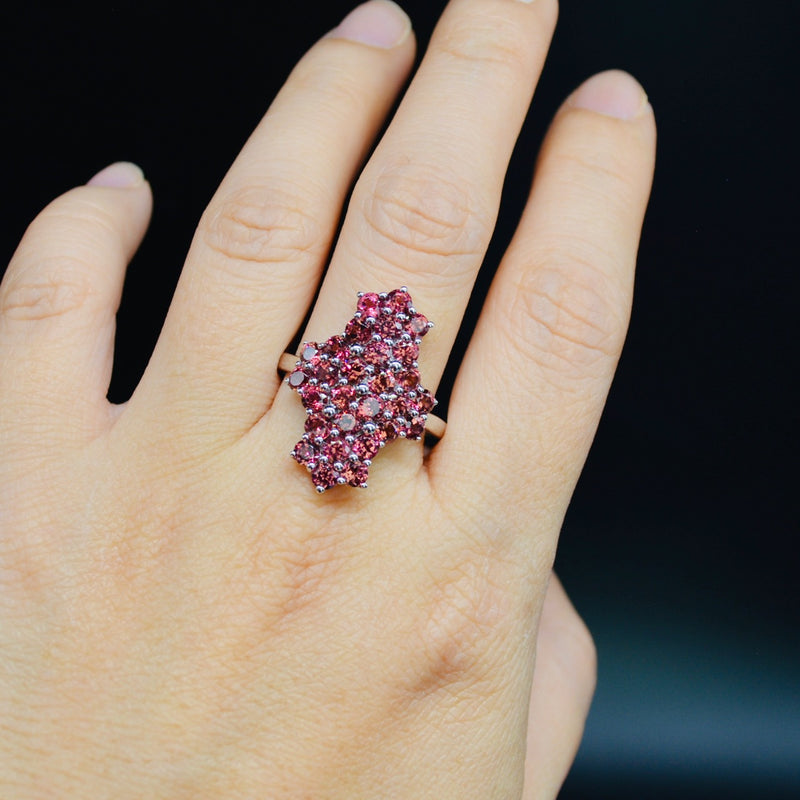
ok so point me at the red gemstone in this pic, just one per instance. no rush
(312, 399)
(416, 427)
(377, 354)
(408, 380)
(324, 475)
(368, 408)
(419, 325)
(369, 304)
(304, 452)
(398, 301)
(343, 396)
(366, 447)
(318, 428)
(382, 382)
(425, 400)
(340, 457)
(407, 352)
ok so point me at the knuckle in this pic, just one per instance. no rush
(257, 226)
(415, 213)
(494, 41)
(55, 288)
(567, 318)
(603, 171)
(459, 635)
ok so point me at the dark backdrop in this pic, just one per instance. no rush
(679, 547)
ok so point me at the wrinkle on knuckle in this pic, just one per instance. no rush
(612, 177)
(296, 568)
(494, 41)
(55, 288)
(565, 318)
(259, 226)
(459, 635)
(419, 219)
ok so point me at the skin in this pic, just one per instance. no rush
(181, 615)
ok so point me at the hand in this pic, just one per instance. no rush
(181, 615)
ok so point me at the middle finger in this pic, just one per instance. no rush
(424, 209)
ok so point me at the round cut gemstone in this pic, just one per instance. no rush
(346, 423)
(377, 353)
(343, 396)
(318, 428)
(408, 380)
(425, 401)
(369, 407)
(398, 301)
(324, 475)
(312, 399)
(361, 389)
(419, 325)
(304, 452)
(369, 304)
(416, 427)
(382, 382)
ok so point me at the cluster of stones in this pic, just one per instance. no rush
(361, 389)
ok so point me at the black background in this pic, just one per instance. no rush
(679, 547)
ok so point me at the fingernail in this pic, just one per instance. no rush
(613, 93)
(378, 23)
(122, 175)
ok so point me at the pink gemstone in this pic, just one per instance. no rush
(309, 351)
(382, 382)
(324, 475)
(312, 399)
(366, 447)
(377, 354)
(346, 422)
(325, 372)
(369, 304)
(407, 352)
(419, 325)
(399, 301)
(303, 452)
(297, 378)
(425, 400)
(416, 427)
(343, 396)
(357, 372)
(408, 380)
(356, 333)
(318, 428)
(369, 407)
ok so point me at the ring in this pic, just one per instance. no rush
(361, 390)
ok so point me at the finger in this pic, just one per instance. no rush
(423, 211)
(563, 686)
(59, 298)
(255, 261)
(534, 380)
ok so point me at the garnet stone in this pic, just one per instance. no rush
(355, 376)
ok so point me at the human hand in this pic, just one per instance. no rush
(181, 615)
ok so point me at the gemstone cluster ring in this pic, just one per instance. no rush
(361, 390)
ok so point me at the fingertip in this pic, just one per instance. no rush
(119, 175)
(377, 23)
(613, 93)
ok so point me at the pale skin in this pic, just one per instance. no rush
(181, 615)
